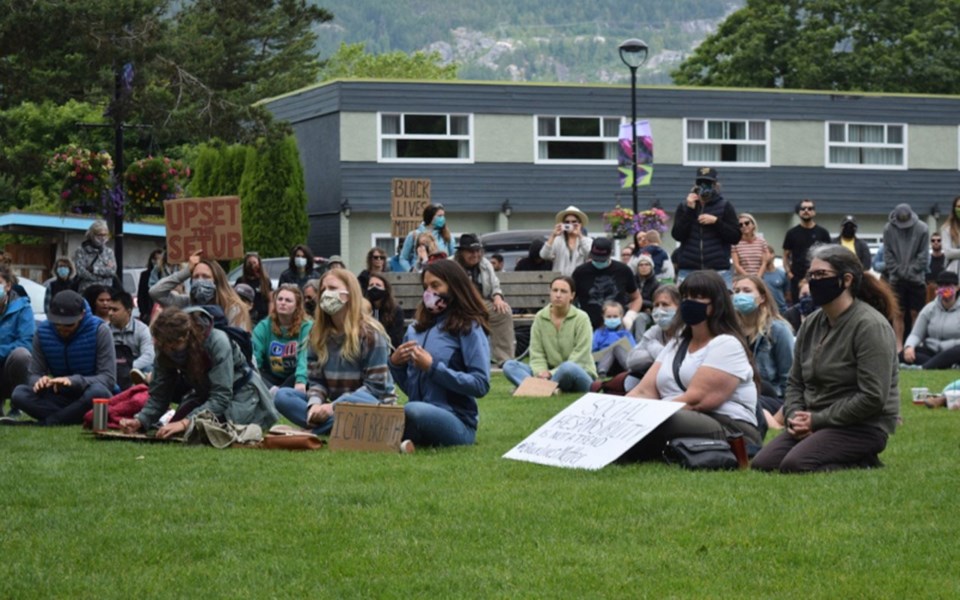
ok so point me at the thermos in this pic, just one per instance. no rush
(100, 414)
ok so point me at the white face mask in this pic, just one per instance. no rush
(332, 302)
(300, 261)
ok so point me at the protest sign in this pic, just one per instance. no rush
(373, 427)
(209, 224)
(535, 387)
(408, 198)
(593, 431)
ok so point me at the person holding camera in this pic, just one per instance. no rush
(568, 247)
(706, 226)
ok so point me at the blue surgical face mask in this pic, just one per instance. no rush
(744, 303)
(63, 272)
(663, 317)
(613, 322)
(600, 264)
(439, 222)
(3, 293)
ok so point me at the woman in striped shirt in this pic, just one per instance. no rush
(748, 254)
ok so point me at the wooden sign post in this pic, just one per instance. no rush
(408, 198)
(210, 224)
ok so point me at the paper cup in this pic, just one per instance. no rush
(919, 394)
(953, 399)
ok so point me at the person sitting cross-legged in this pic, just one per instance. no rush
(72, 362)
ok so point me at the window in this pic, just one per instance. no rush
(723, 143)
(426, 138)
(866, 145)
(571, 140)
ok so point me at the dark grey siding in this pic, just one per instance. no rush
(319, 143)
(652, 102)
(545, 188)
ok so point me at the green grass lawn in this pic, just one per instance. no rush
(102, 519)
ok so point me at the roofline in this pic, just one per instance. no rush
(601, 86)
(49, 221)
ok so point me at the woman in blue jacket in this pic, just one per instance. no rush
(443, 365)
(16, 335)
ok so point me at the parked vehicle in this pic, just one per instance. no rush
(36, 293)
(274, 266)
(512, 245)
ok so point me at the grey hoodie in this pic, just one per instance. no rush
(906, 246)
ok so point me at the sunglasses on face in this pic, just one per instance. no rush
(745, 223)
(378, 257)
(807, 208)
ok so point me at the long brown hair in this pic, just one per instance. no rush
(465, 305)
(7, 274)
(388, 306)
(227, 298)
(429, 213)
(298, 316)
(953, 223)
(872, 290)
(767, 311)
(265, 285)
(171, 326)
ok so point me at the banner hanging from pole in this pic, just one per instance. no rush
(644, 154)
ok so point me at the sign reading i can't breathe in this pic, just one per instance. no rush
(408, 198)
(209, 224)
(593, 431)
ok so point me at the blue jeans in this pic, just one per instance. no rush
(571, 376)
(727, 275)
(429, 425)
(293, 405)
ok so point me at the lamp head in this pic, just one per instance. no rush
(633, 53)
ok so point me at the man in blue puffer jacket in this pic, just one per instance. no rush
(707, 227)
(73, 362)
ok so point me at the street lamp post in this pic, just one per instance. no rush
(633, 53)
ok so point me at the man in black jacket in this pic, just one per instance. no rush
(707, 227)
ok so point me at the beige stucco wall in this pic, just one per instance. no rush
(358, 136)
(785, 151)
(933, 147)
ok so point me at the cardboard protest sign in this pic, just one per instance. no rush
(536, 388)
(408, 198)
(593, 431)
(371, 427)
(209, 224)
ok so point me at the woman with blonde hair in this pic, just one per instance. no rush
(348, 361)
(280, 341)
(747, 255)
(770, 338)
(208, 286)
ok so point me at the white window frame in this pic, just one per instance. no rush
(469, 138)
(687, 161)
(537, 138)
(885, 145)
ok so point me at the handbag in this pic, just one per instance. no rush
(695, 453)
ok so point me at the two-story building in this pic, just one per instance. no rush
(541, 147)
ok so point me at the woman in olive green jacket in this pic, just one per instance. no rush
(201, 368)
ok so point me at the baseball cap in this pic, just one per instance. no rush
(469, 241)
(602, 247)
(66, 308)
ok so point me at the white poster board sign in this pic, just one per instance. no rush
(593, 431)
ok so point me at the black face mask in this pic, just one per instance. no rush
(310, 306)
(849, 230)
(693, 312)
(826, 290)
(376, 294)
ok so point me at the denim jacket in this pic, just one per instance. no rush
(773, 353)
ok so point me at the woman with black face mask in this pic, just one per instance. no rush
(385, 308)
(708, 368)
(842, 398)
(208, 286)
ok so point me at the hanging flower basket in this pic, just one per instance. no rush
(151, 181)
(654, 219)
(85, 177)
(618, 222)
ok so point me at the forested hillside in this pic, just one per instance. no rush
(529, 40)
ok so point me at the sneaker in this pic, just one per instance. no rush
(137, 376)
(8, 420)
(407, 447)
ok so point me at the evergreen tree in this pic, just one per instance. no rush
(274, 198)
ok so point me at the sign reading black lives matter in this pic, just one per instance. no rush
(593, 431)
(408, 198)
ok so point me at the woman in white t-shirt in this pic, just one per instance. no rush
(715, 377)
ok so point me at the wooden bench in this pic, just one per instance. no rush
(525, 291)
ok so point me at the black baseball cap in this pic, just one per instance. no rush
(470, 241)
(66, 308)
(706, 174)
(602, 247)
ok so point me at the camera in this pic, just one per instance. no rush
(567, 226)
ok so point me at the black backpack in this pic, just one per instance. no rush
(241, 337)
